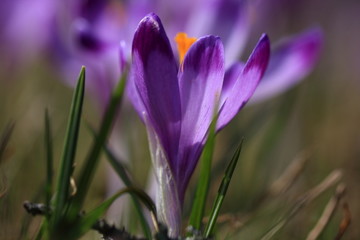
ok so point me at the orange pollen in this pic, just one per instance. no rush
(183, 44)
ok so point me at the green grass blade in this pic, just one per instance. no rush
(121, 171)
(88, 171)
(119, 168)
(333, 178)
(5, 138)
(87, 221)
(222, 192)
(49, 160)
(68, 155)
(198, 207)
(41, 232)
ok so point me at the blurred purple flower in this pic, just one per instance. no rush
(88, 33)
(177, 103)
(291, 60)
(25, 28)
(83, 32)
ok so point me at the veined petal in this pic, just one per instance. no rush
(231, 75)
(154, 72)
(200, 87)
(168, 205)
(246, 83)
(290, 62)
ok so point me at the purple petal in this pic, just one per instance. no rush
(200, 88)
(154, 72)
(133, 95)
(231, 75)
(131, 14)
(167, 201)
(246, 83)
(290, 62)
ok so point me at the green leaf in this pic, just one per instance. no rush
(68, 155)
(222, 192)
(87, 221)
(197, 211)
(121, 171)
(49, 159)
(92, 160)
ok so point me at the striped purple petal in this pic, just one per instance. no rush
(168, 204)
(200, 87)
(154, 72)
(246, 83)
(231, 75)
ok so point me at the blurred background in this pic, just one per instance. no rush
(313, 126)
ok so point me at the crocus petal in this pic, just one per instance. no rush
(133, 95)
(247, 82)
(290, 62)
(154, 72)
(131, 14)
(167, 201)
(200, 87)
(231, 75)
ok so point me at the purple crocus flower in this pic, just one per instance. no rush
(177, 102)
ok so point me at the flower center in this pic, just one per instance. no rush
(183, 44)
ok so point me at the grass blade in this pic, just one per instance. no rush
(5, 138)
(87, 172)
(89, 219)
(202, 189)
(328, 213)
(49, 159)
(67, 160)
(121, 171)
(222, 192)
(303, 201)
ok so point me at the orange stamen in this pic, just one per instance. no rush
(183, 44)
